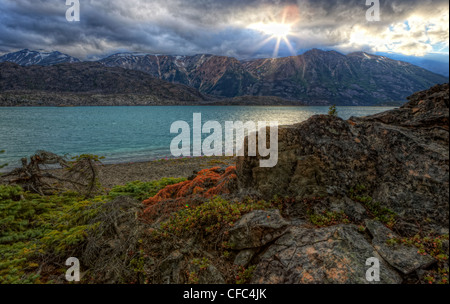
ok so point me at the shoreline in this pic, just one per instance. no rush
(146, 171)
(203, 105)
(111, 175)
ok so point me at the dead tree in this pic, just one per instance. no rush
(84, 170)
(34, 176)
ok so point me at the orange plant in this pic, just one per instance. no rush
(205, 185)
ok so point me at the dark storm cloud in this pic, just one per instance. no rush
(209, 26)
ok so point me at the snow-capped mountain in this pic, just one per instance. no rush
(27, 58)
(316, 77)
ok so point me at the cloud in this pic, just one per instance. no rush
(416, 27)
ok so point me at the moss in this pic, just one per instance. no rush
(210, 217)
(374, 208)
(433, 246)
(245, 275)
(327, 218)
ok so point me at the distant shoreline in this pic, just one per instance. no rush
(92, 99)
(202, 105)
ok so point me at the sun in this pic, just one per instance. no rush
(276, 30)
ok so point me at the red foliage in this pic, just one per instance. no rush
(207, 184)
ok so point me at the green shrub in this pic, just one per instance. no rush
(143, 190)
(332, 111)
(40, 230)
(211, 217)
(34, 226)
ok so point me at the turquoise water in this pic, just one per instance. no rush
(124, 134)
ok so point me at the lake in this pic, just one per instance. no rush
(127, 134)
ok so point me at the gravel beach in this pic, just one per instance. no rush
(119, 174)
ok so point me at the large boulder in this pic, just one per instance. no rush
(256, 229)
(331, 255)
(404, 258)
(400, 156)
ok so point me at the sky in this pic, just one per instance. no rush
(415, 29)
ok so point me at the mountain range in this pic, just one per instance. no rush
(27, 58)
(87, 84)
(316, 78)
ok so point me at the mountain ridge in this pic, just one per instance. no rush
(86, 83)
(28, 57)
(316, 77)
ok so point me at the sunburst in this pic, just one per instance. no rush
(279, 31)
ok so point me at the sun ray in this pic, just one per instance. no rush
(277, 48)
(262, 43)
(289, 45)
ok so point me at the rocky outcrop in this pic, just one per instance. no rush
(362, 201)
(364, 188)
(400, 157)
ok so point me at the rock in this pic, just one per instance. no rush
(256, 229)
(334, 255)
(171, 267)
(354, 210)
(445, 245)
(244, 257)
(211, 275)
(404, 258)
(401, 157)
